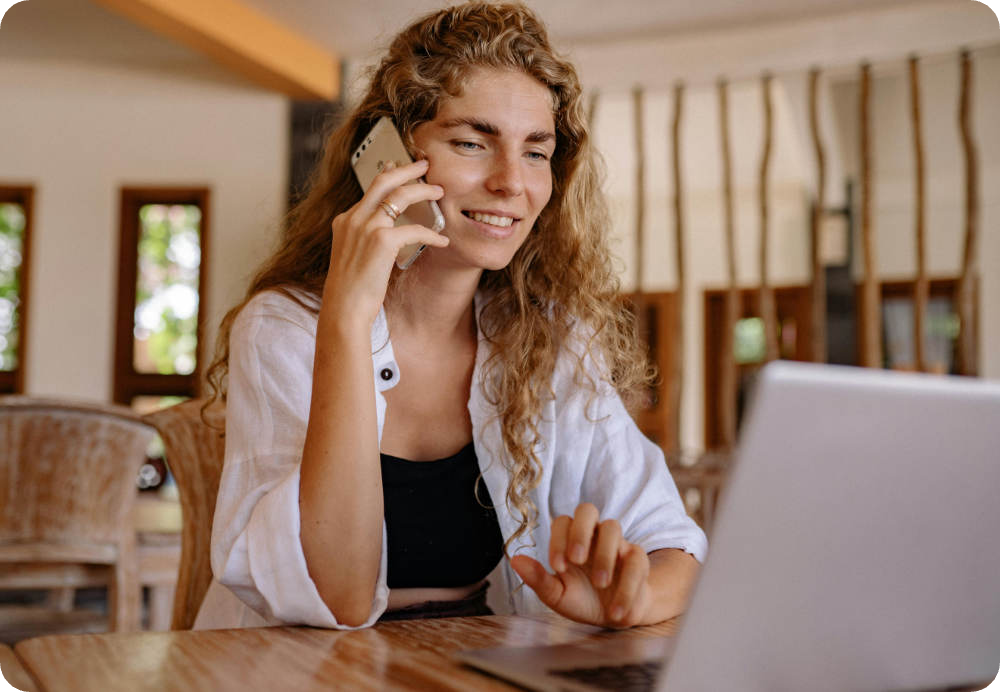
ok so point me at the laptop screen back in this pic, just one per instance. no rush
(858, 544)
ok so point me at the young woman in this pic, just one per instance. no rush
(393, 435)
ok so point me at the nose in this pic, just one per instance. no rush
(506, 177)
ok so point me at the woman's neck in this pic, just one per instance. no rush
(426, 302)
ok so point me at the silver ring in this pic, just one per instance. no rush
(390, 209)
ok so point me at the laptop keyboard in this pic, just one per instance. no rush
(630, 677)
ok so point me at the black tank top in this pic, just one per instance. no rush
(440, 534)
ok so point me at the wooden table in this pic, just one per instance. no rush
(402, 655)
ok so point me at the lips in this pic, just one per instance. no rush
(493, 223)
(491, 217)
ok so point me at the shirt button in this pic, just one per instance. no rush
(386, 374)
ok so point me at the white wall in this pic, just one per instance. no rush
(837, 45)
(77, 133)
(893, 214)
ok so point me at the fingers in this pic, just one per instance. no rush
(605, 555)
(579, 540)
(558, 542)
(403, 197)
(581, 533)
(391, 184)
(633, 574)
(398, 237)
(548, 587)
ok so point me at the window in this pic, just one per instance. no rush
(161, 279)
(15, 237)
(657, 317)
(792, 304)
(941, 326)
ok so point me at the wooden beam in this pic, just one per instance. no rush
(677, 365)
(767, 307)
(920, 286)
(243, 40)
(871, 299)
(818, 298)
(728, 372)
(967, 299)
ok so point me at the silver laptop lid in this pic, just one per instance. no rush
(858, 545)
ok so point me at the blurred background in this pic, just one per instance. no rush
(800, 179)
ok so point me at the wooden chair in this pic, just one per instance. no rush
(67, 487)
(194, 451)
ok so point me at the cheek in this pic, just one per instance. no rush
(543, 189)
(454, 178)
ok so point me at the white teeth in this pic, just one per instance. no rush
(502, 221)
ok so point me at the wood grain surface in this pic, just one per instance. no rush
(402, 655)
(13, 673)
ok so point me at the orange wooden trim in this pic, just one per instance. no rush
(242, 39)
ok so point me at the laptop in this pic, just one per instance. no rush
(857, 547)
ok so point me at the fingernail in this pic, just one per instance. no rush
(559, 564)
(577, 554)
(617, 613)
(424, 162)
(601, 578)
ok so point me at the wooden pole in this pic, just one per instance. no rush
(640, 210)
(871, 319)
(920, 287)
(767, 307)
(818, 296)
(677, 367)
(968, 357)
(727, 366)
(640, 185)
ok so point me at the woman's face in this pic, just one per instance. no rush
(490, 149)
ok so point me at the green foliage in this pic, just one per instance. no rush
(166, 315)
(12, 224)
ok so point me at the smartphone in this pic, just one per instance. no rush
(381, 145)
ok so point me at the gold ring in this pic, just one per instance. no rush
(390, 209)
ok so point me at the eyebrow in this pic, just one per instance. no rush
(488, 128)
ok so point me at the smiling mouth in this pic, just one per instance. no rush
(491, 219)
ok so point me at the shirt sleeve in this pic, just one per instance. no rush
(256, 549)
(626, 474)
(649, 507)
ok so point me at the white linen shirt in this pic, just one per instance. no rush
(592, 451)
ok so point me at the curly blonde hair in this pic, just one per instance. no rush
(560, 279)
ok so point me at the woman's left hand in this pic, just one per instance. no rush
(600, 578)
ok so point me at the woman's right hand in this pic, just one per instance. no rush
(366, 242)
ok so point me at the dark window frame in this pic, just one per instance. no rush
(938, 287)
(12, 381)
(790, 301)
(127, 383)
(658, 324)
